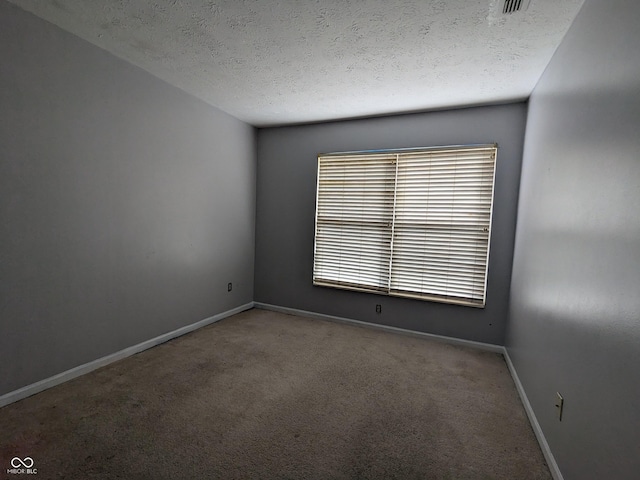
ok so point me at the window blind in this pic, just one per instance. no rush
(353, 215)
(413, 223)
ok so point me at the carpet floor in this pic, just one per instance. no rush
(264, 395)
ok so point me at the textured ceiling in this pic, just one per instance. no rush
(275, 62)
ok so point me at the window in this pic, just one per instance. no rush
(412, 223)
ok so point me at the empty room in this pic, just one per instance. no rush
(353, 239)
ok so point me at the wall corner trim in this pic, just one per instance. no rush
(440, 338)
(80, 370)
(544, 446)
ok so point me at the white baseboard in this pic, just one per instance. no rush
(441, 338)
(101, 362)
(127, 352)
(544, 446)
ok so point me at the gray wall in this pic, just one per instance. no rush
(575, 297)
(286, 211)
(126, 205)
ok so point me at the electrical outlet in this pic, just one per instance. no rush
(559, 405)
(378, 308)
(229, 287)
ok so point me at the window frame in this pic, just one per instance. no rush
(404, 153)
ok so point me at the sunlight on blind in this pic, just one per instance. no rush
(353, 215)
(412, 223)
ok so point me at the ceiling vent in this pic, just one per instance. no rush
(513, 6)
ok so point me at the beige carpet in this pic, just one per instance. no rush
(264, 395)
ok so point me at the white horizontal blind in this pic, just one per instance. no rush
(412, 223)
(353, 218)
(442, 220)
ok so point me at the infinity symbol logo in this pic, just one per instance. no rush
(26, 463)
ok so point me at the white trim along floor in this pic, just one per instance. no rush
(75, 372)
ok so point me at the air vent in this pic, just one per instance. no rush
(513, 6)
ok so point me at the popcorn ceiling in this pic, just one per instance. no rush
(275, 62)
